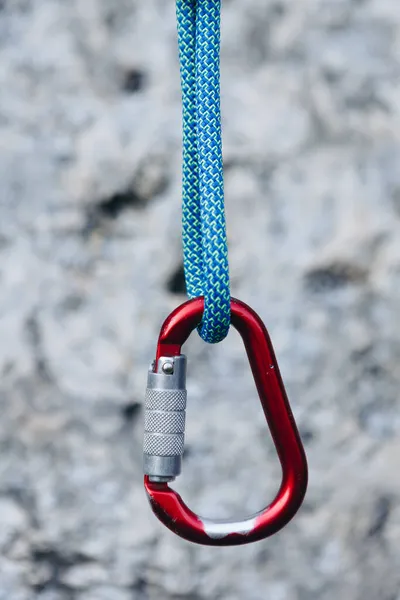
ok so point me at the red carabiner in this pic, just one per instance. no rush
(166, 503)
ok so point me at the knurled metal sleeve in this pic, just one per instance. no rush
(164, 422)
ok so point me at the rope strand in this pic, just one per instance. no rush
(203, 214)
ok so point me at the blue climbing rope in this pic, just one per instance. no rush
(205, 251)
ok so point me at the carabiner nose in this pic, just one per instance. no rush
(164, 431)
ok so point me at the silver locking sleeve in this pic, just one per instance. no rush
(164, 419)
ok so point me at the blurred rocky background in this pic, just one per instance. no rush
(90, 265)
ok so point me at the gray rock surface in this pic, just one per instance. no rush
(90, 260)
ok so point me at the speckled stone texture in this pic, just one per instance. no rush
(90, 265)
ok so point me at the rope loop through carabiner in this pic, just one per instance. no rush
(210, 310)
(205, 249)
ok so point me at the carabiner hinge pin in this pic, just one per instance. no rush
(164, 429)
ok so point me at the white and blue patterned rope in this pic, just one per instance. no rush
(205, 249)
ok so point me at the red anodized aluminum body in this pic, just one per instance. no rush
(168, 505)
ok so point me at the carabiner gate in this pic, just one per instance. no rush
(165, 422)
